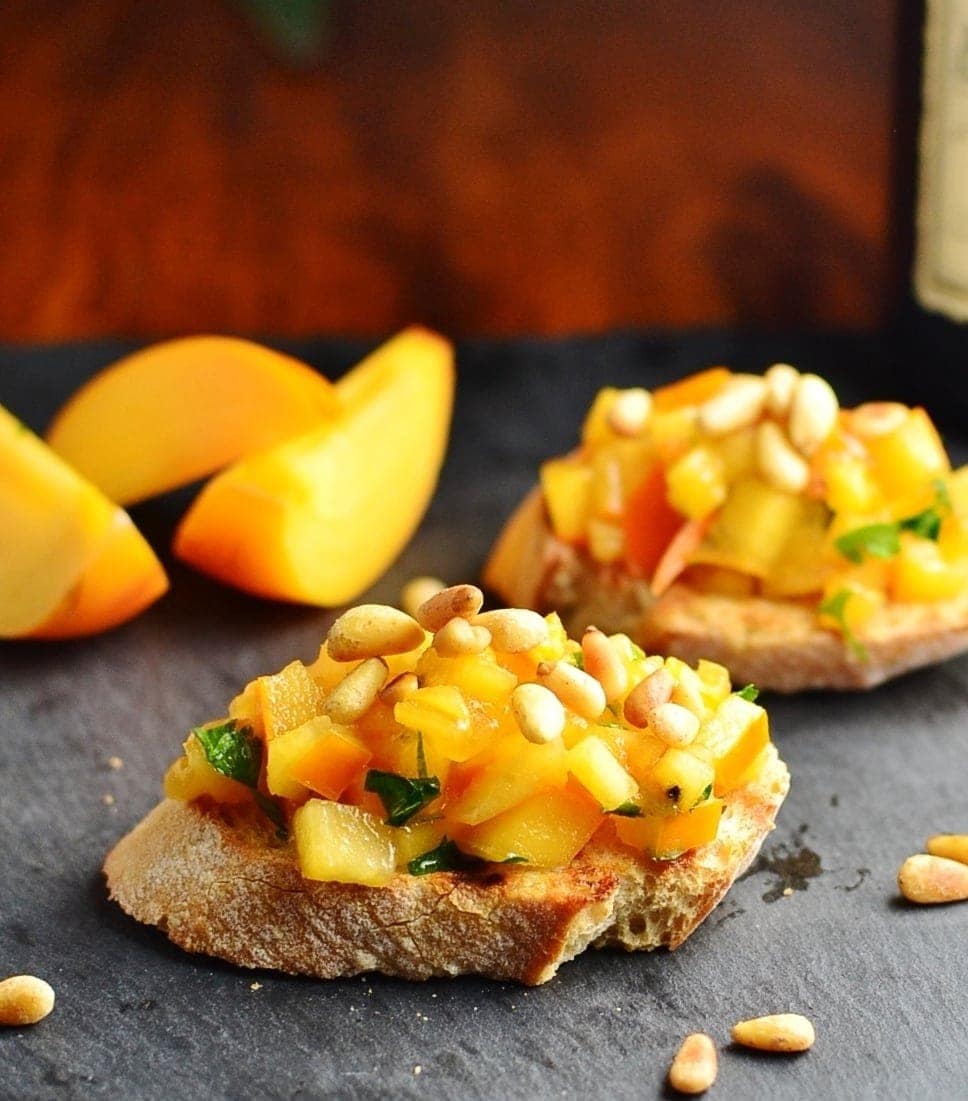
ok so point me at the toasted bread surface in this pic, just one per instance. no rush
(217, 882)
(777, 644)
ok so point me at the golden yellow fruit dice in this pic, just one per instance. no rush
(477, 676)
(287, 699)
(288, 749)
(715, 682)
(922, 574)
(567, 487)
(907, 459)
(440, 714)
(547, 830)
(696, 483)
(191, 776)
(343, 844)
(734, 736)
(415, 839)
(514, 774)
(850, 484)
(679, 781)
(665, 838)
(595, 428)
(594, 766)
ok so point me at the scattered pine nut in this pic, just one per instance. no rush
(464, 601)
(954, 846)
(576, 689)
(539, 713)
(813, 413)
(513, 630)
(107, 799)
(779, 461)
(24, 1000)
(737, 405)
(877, 418)
(116, 763)
(402, 686)
(647, 695)
(457, 637)
(371, 630)
(356, 692)
(782, 1032)
(781, 381)
(674, 724)
(931, 879)
(417, 591)
(630, 412)
(694, 1068)
(603, 663)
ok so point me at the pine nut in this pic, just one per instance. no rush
(788, 1032)
(464, 601)
(778, 461)
(356, 692)
(513, 630)
(577, 690)
(954, 846)
(369, 630)
(417, 591)
(399, 688)
(647, 695)
(877, 418)
(813, 413)
(539, 713)
(738, 405)
(630, 412)
(694, 1068)
(24, 1000)
(603, 663)
(781, 381)
(932, 879)
(457, 637)
(674, 724)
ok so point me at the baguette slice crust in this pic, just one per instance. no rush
(776, 644)
(216, 882)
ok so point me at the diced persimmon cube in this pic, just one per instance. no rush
(246, 709)
(329, 767)
(287, 699)
(594, 766)
(477, 676)
(191, 776)
(284, 750)
(696, 483)
(414, 839)
(665, 838)
(515, 772)
(595, 428)
(642, 753)
(850, 484)
(441, 715)
(692, 390)
(567, 487)
(715, 682)
(547, 830)
(908, 458)
(678, 782)
(734, 735)
(343, 844)
(673, 433)
(921, 573)
(327, 672)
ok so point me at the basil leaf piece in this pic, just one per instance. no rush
(232, 750)
(577, 658)
(271, 809)
(925, 524)
(401, 798)
(445, 858)
(836, 608)
(706, 792)
(627, 810)
(750, 693)
(874, 540)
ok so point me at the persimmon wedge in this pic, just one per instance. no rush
(319, 518)
(175, 412)
(71, 562)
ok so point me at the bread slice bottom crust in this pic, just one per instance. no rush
(776, 644)
(216, 882)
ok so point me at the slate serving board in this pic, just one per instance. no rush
(874, 775)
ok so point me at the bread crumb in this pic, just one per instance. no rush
(107, 799)
(787, 891)
(417, 1070)
(256, 986)
(115, 763)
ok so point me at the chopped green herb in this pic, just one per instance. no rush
(576, 657)
(627, 810)
(942, 498)
(401, 798)
(750, 693)
(706, 792)
(232, 750)
(874, 540)
(836, 608)
(271, 809)
(421, 757)
(445, 858)
(926, 525)
(515, 859)
(637, 652)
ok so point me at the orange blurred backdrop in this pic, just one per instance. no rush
(496, 167)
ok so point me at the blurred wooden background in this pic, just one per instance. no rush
(487, 167)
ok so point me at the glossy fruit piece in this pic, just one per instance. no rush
(920, 573)
(666, 838)
(594, 766)
(319, 518)
(696, 483)
(693, 390)
(734, 737)
(415, 839)
(177, 411)
(567, 487)
(650, 523)
(329, 767)
(77, 565)
(343, 844)
(191, 776)
(440, 714)
(803, 565)
(679, 781)
(547, 830)
(511, 775)
(287, 699)
(907, 459)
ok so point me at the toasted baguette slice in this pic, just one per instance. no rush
(216, 881)
(776, 644)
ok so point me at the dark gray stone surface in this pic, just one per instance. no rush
(874, 775)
